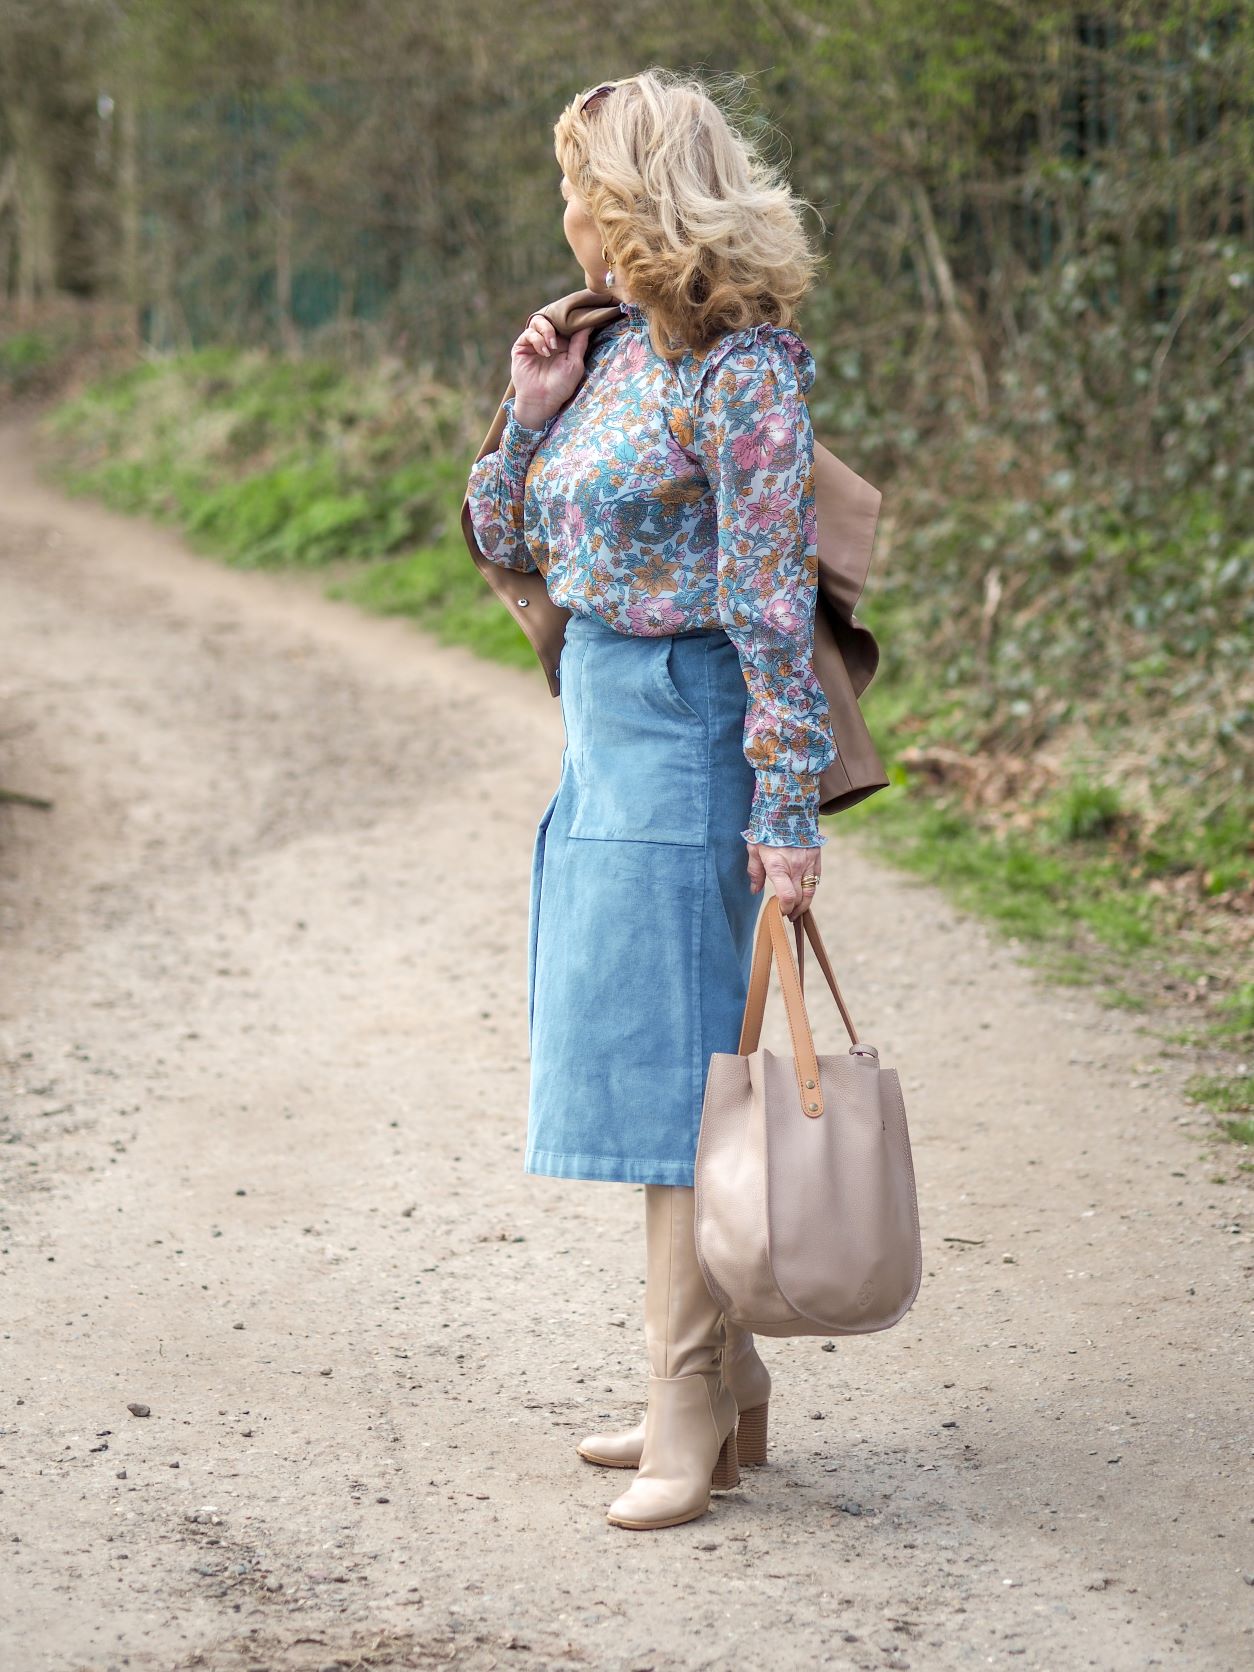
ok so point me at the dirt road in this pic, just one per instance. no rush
(264, 1059)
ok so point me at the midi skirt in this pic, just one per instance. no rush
(641, 916)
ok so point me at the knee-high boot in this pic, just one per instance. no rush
(689, 1445)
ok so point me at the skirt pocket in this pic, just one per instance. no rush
(638, 749)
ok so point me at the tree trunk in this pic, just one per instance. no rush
(36, 203)
(131, 272)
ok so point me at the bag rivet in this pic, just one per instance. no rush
(524, 602)
(809, 1085)
(814, 1105)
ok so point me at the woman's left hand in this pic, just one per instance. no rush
(785, 867)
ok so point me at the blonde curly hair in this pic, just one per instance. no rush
(701, 227)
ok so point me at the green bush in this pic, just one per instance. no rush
(1087, 811)
(267, 462)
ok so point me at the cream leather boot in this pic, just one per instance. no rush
(689, 1445)
(750, 1383)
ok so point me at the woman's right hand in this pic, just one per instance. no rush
(546, 368)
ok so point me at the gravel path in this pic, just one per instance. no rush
(263, 1060)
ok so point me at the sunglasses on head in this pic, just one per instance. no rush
(597, 93)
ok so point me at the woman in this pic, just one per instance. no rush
(660, 476)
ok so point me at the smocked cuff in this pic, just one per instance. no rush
(518, 442)
(785, 811)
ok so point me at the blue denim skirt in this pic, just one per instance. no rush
(641, 917)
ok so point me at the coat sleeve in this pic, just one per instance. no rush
(753, 434)
(496, 493)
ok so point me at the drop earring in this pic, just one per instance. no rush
(609, 272)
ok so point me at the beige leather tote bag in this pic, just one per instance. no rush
(807, 1219)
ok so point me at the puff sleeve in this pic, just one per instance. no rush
(496, 492)
(753, 434)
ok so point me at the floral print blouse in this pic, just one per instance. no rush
(665, 497)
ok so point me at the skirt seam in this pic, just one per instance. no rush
(698, 986)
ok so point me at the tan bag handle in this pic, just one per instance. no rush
(771, 945)
(820, 952)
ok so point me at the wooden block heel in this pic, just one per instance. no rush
(727, 1468)
(751, 1435)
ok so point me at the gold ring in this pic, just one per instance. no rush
(811, 879)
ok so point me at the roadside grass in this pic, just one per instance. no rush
(303, 464)
(1083, 911)
(47, 343)
(25, 357)
(440, 589)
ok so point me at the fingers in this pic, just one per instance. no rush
(579, 342)
(787, 867)
(540, 335)
(788, 889)
(775, 863)
(808, 872)
(757, 871)
(543, 338)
